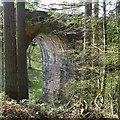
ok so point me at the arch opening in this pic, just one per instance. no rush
(54, 66)
(34, 63)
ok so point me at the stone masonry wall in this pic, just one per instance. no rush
(55, 65)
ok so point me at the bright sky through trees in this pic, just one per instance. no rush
(59, 1)
(54, 1)
(43, 4)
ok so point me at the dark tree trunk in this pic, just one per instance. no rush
(96, 8)
(21, 46)
(1, 52)
(88, 8)
(88, 14)
(118, 15)
(11, 88)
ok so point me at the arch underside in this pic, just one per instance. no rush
(56, 65)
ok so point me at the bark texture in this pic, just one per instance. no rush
(21, 47)
(11, 88)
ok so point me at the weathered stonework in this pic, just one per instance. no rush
(55, 65)
(56, 60)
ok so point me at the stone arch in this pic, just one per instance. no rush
(54, 46)
(56, 62)
(55, 71)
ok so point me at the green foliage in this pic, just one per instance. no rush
(53, 14)
(75, 19)
(84, 89)
(31, 4)
(35, 85)
(95, 67)
(92, 67)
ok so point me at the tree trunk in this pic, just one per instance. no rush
(87, 39)
(1, 52)
(118, 15)
(88, 8)
(21, 47)
(96, 8)
(104, 54)
(11, 87)
(96, 38)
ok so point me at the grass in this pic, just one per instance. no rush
(35, 74)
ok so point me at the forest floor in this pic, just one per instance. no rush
(28, 111)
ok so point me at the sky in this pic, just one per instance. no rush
(48, 2)
(78, 10)
(70, 1)
(45, 1)
(59, 1)
(56, 1)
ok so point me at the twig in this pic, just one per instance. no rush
(71, 98)
(97, 48)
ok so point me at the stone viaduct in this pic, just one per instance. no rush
(55, 42)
